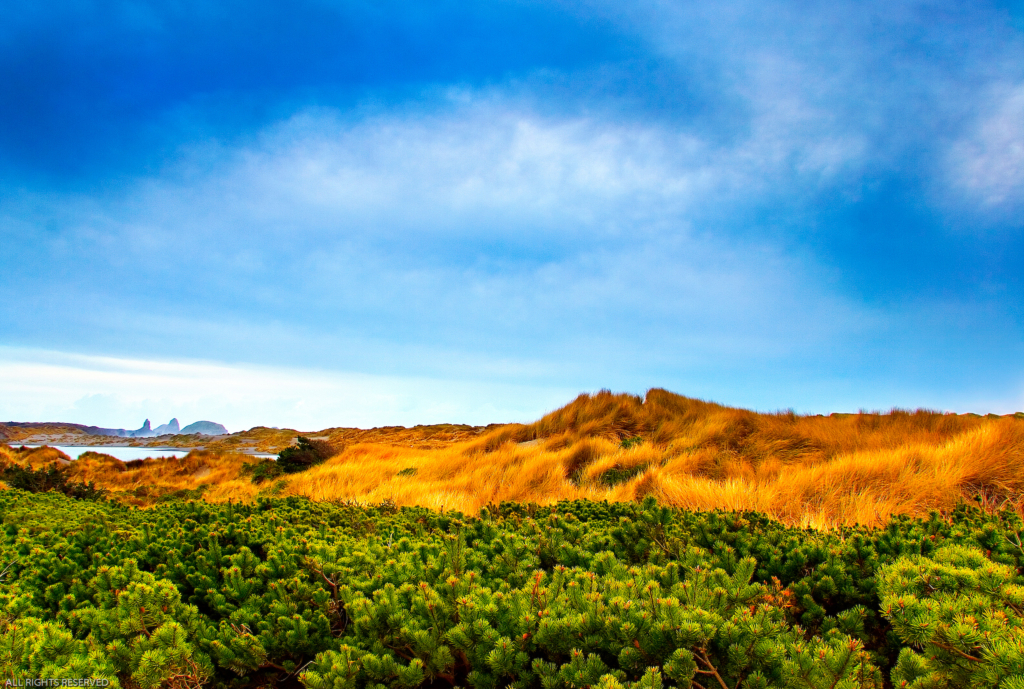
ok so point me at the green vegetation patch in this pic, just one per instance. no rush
(52, 478)
(263, 470)
(186, 494)
(304, 454)
(617, 475)
(578, 594)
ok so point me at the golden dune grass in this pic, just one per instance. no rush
(808, 471)
(33, 458)
(142, 482)
(814, 471)
(804, 470)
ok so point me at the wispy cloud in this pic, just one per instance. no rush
(508, 225)
(988, 164)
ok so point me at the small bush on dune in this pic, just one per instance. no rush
(185, 494)
(617, 475)
(261, 471)
(305, 454)
(509, 433)
(276, 488)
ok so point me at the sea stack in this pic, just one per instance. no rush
(170, 428)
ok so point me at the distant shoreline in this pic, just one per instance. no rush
(241, 451)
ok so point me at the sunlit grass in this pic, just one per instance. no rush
(804, 470)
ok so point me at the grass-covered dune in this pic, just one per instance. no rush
(816, 471)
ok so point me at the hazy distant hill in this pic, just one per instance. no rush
(203, 428)
(57, 432)
(11, 429)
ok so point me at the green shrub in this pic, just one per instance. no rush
(305, 454)
(263, 470)
(185, 493)
(53, 478)
(274, 489)
(617, 475)
(633, 595)
(961, 615)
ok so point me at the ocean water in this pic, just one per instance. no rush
(125, 454)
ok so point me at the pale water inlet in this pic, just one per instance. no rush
(125, 454)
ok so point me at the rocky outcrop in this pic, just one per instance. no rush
(204, 428)
(169, 428)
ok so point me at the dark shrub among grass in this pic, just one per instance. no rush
(305, 454)
(46, 479)
(263, 470)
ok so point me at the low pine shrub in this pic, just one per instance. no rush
(961, 616)
(305, 454)
(45, 479)
(633, 595)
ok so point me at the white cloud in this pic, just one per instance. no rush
(476, 228)
(989, 163)
(436, 173)
(486, 168)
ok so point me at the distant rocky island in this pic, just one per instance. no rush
(172, 427)
(169, 428)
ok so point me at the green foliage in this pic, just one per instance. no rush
(577, 594)
(142, 626)
(263, 470)
(274, 489)
(305, 454)
(49, 478)
(617, 475)
(185, 494)
(634, 441)
(963, 612)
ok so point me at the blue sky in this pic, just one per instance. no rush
(317, 214)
